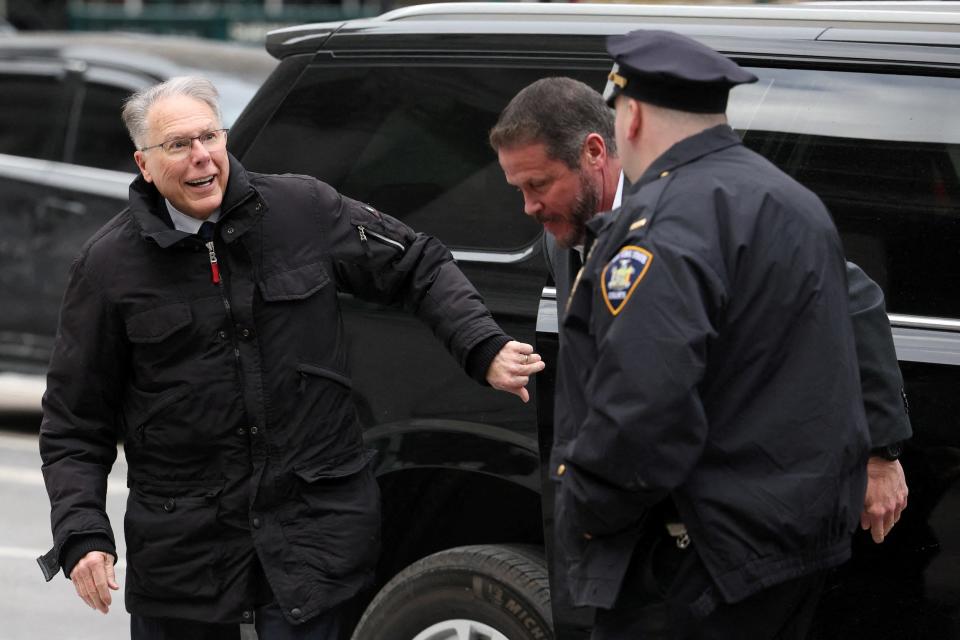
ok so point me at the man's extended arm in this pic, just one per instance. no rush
(390, 263)
(884, 402)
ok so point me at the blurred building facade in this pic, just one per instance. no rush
(238, 20)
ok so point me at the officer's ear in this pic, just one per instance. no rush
(634, 118)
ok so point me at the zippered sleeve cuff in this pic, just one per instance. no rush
(79, 546)
(482, 355)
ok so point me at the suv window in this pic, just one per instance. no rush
(31, 125)
(412, 142)
(101, 139)
(882, 151)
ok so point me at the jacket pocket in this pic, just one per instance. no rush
(172, 541)
(295, 284)
(311, 472)
(383, 239)
(138, 421)
(332, 521)
(307, 370)
(156, 325)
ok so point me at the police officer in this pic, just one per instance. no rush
(708, 398)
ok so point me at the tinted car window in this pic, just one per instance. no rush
(31, 124)
(101, 139)
(412, 142)
(882, 151)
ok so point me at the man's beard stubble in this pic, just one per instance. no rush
(585, 207)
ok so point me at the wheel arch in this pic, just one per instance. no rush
(449, 484)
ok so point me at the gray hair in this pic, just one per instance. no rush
(137, 106)
(559, 113)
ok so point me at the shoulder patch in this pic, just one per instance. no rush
(622, 275)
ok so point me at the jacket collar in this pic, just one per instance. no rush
(599, 223)
(686, 151)
(149, 211)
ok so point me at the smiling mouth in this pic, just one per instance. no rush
(201, 182)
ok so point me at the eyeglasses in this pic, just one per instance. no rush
(180, 147)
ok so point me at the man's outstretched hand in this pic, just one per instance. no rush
(511, 369)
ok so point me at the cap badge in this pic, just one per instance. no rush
(614, 80)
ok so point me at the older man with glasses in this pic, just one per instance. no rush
(201, 325)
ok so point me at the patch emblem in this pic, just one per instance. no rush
(622, 275)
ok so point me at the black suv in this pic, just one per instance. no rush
(861, 105)
(66, 160)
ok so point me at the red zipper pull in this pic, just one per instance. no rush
(214, 267)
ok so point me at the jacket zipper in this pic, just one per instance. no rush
(364, 232)
(218, 281)
(221, 287)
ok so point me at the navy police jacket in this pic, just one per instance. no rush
(709, 359)
(234, 400)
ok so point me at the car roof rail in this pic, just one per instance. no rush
(830, 20)
(827, 12)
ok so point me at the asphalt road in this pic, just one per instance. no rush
(31, 609)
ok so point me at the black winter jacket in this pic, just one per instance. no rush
(233, 400)
(884, 398)
(709, 359)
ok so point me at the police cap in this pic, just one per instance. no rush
(672, 71)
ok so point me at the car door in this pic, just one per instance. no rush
(32, 130)
(86, 185)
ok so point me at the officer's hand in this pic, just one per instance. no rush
(886, 497)
(93, 577)
(511, 369)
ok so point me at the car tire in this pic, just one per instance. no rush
(488, 591)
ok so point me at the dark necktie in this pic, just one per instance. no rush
(206, 231)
